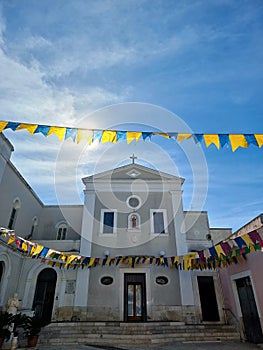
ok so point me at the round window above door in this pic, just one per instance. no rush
(134, 202)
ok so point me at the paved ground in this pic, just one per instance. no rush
(184, 346)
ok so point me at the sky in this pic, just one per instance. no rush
(137, 64)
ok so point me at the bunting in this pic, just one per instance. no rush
(233, 141)
(231, 251)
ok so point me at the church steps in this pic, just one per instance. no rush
(133, 334)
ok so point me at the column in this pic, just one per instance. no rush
(185, 277)
(82, 283)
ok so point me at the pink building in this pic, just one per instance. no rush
(242, 285)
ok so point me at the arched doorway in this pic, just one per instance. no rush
(44, 294)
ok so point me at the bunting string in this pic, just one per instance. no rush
(103, 136)
(230, 251)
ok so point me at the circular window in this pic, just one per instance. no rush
(162, 280)
(134, 202)
(106, 280)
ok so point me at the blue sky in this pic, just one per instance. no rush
(61, 62)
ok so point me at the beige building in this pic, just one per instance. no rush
(130, 211)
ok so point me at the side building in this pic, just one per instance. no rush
(243, 287)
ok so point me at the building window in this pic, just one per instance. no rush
(162, 280)
(62, 231)
(106, 280)
(134, 202)
(13, 215)
(108, 221)
(34, 225)
(158, 221)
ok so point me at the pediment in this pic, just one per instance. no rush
(131, 172)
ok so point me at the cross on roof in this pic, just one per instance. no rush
(133, 158)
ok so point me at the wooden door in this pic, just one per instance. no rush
(249, 310)
(134, 297)
(44, 294)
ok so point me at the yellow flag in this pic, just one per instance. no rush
(58, 131)
(219, 250)
(31, 128)
(63, 256)
(109, 136)
(163, 134)
(176, 259)
(37, 249)
(258, 137)
(133, 135)
(11, 240)
(147, 260)
(3, 125)
(84, 134)
(211, 138)
(247, 239)
(70, 259)
(108, 261)
(182, 137)
(238, 140)
(188, 260)
(91, 262)
(24, 247)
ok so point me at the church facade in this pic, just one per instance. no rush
(131, 211)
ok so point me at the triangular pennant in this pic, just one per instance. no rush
(58, 131)
(3, 125)
(224, 139)
(133, 135)
(109, 136)
(259, 138)
(211, 139)
(182, 137)
(237, 140)
(43, 129)
(31, 128)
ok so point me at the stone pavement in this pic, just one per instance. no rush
(177, 346)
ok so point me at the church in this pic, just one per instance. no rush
(131, 217)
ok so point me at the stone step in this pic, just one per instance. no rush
(133, 334)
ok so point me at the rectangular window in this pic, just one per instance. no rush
(12, 219)
(158, 221)
(108, 221)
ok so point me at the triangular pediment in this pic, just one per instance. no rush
(131, 172)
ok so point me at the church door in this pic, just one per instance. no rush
(44, 294)
(249, 310)
(208, 298)
(134, 297)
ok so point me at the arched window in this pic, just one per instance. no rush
(33, 227)
(62, 231)
(13, 215)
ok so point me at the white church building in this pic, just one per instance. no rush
(131, 211)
